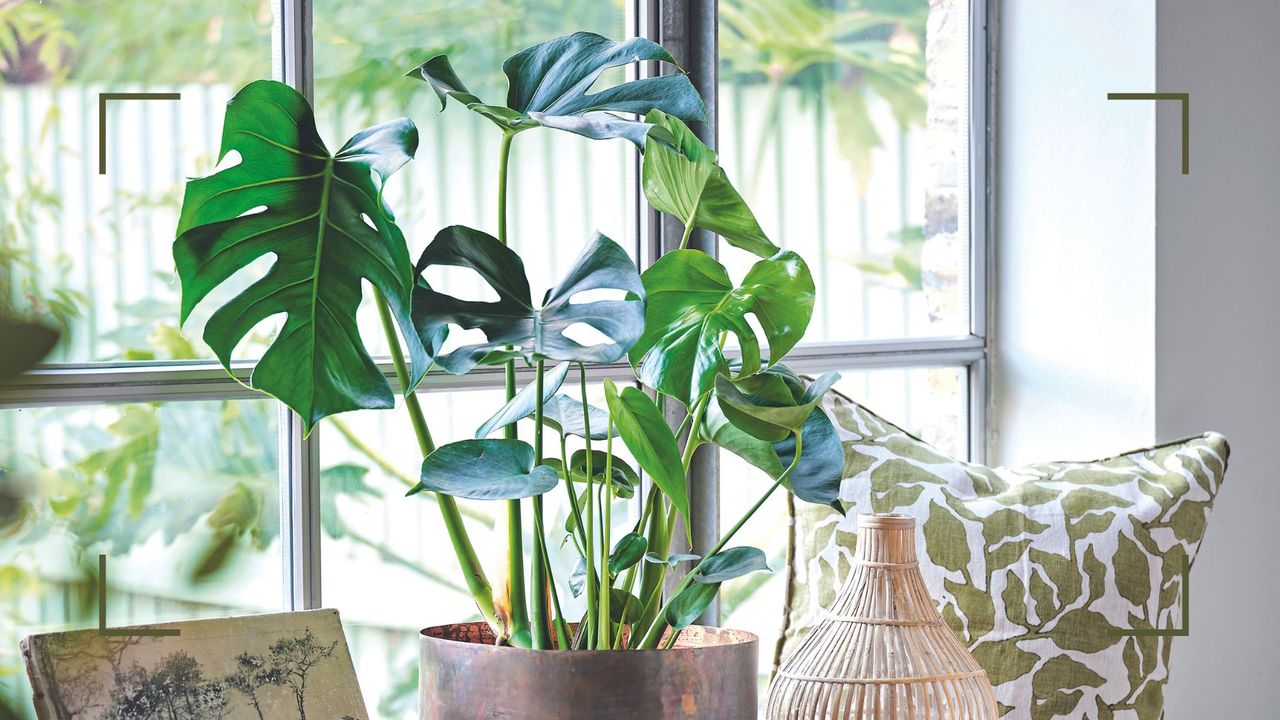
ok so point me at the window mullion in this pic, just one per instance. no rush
(299, 453)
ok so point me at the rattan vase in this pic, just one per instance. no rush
(883, 651)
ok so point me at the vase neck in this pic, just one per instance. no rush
(888, 539)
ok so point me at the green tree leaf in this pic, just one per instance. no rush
(625, 479)
(731, 563)
(647, 435)
(681, 178)
(691, 301)
(485, 470)
(329, 229)
(683, 609)
(512, 319)
(525, 402)
(548, 86)
(770, 418)
(628, 551)
(564, 415)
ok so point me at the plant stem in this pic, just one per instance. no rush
(538, 575)
(472, 570)
(606, 586)
(590, 557)
(520, 633)
(655, 631)
(688, 229)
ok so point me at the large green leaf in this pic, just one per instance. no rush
(683, 609)
(525, 402)
(647, 435)
(512, 320)
(731, 563)
(323, 218)
(772, 418)
(681, 178)
(485, 470)
(625, 480)
(691, 302)
(548, 84)
(817, 476)
(628, 551)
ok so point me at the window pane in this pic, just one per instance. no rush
(844, 123)
(183, 499)
(562, 187)
(93, 250)
(931, 403)
(388, 565)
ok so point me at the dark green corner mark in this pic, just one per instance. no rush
(103, 630)
(1185, 630)
(1186, 117)
(102, 118)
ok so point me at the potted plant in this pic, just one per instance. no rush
(688, 330)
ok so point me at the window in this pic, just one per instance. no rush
(853, 127)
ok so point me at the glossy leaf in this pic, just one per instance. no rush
(647, 435)
(525, 402)
(548, 86)
(691, 301)
(774, 416)
(512, 318)
(817, 477)
(685, 608)
(731, 563)
(485, 470)
(564, 415)
(624, 606)
(625, 479)
(681, 178)
(628, 551)
(323, 218)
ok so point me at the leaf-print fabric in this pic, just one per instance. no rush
(1035, 568)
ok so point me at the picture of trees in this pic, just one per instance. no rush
(197, 676)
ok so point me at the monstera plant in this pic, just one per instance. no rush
(697, 339)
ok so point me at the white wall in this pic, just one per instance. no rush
(1218, 335)
(1135, 303)
(1073, 371)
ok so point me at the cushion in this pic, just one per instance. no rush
(1038, 569)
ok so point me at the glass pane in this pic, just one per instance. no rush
(388, 565)
(183, 499)
(89, 250)
(931, 403)
(844, 123)
(562, 187)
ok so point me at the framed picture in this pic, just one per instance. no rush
(288, 666)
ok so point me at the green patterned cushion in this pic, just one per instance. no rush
(1037, 569)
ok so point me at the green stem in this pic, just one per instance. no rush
(538, 575)
(593, 628)
(655, 631)
(606, 586)
(520, 632)
(688, 229)
(472, 570)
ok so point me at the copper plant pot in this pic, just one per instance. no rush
(709, 674)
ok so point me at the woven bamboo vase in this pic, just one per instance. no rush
(883, 651)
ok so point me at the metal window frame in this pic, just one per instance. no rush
(689, 29)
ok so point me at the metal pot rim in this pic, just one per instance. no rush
(724, 638)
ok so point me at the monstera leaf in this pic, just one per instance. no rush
(681, 178)
(322, 216)
(548, 84)
(691, 302)
(512, 320)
